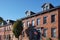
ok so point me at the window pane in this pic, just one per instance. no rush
(24, 24)
(38, 21)
(44, 8)
(45, 32)
(52, 18)
(28, 23)
(44, 20)
(47, 7)
(32, 22)
(53, 32)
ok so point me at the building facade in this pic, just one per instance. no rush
(6, 30)
(47, 21)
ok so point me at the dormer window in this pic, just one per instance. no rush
(29, 13)
(44, 8)
(47, 6)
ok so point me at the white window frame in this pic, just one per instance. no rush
(32, 22)
(38, 21)
(28, 23)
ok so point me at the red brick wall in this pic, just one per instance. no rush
(48, 25)
(4, 32)
(59, 22)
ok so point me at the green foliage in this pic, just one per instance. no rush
(58, 38)
(30, 28)
(47, 38)
(17, 28)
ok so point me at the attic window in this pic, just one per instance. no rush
(46, 7)
(29, 13)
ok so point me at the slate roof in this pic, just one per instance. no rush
(40, 13)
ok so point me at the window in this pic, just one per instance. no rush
(47, 7)
(53, 32)
(28, 23)
(23, 33)
(45, 32)
(23, 24)
(9, 28)
(52, 18)
(38, 21)
(32, 22)
(44, 20)
(7, 37)
(12, 35)
(6, 28)
(44, 8)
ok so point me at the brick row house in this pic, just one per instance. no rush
(46, 21)
(6, 30)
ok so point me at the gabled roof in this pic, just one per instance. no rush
(42, 12)
(47, 3)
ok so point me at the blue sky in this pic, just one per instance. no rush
(15, 9)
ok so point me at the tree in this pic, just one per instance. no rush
(29, 32)
(30, 28)
(32, 33)
(17, 28)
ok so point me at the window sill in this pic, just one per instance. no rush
(53, 22)
(45, 24)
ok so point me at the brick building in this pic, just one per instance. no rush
(46, 21)
(6, 30)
